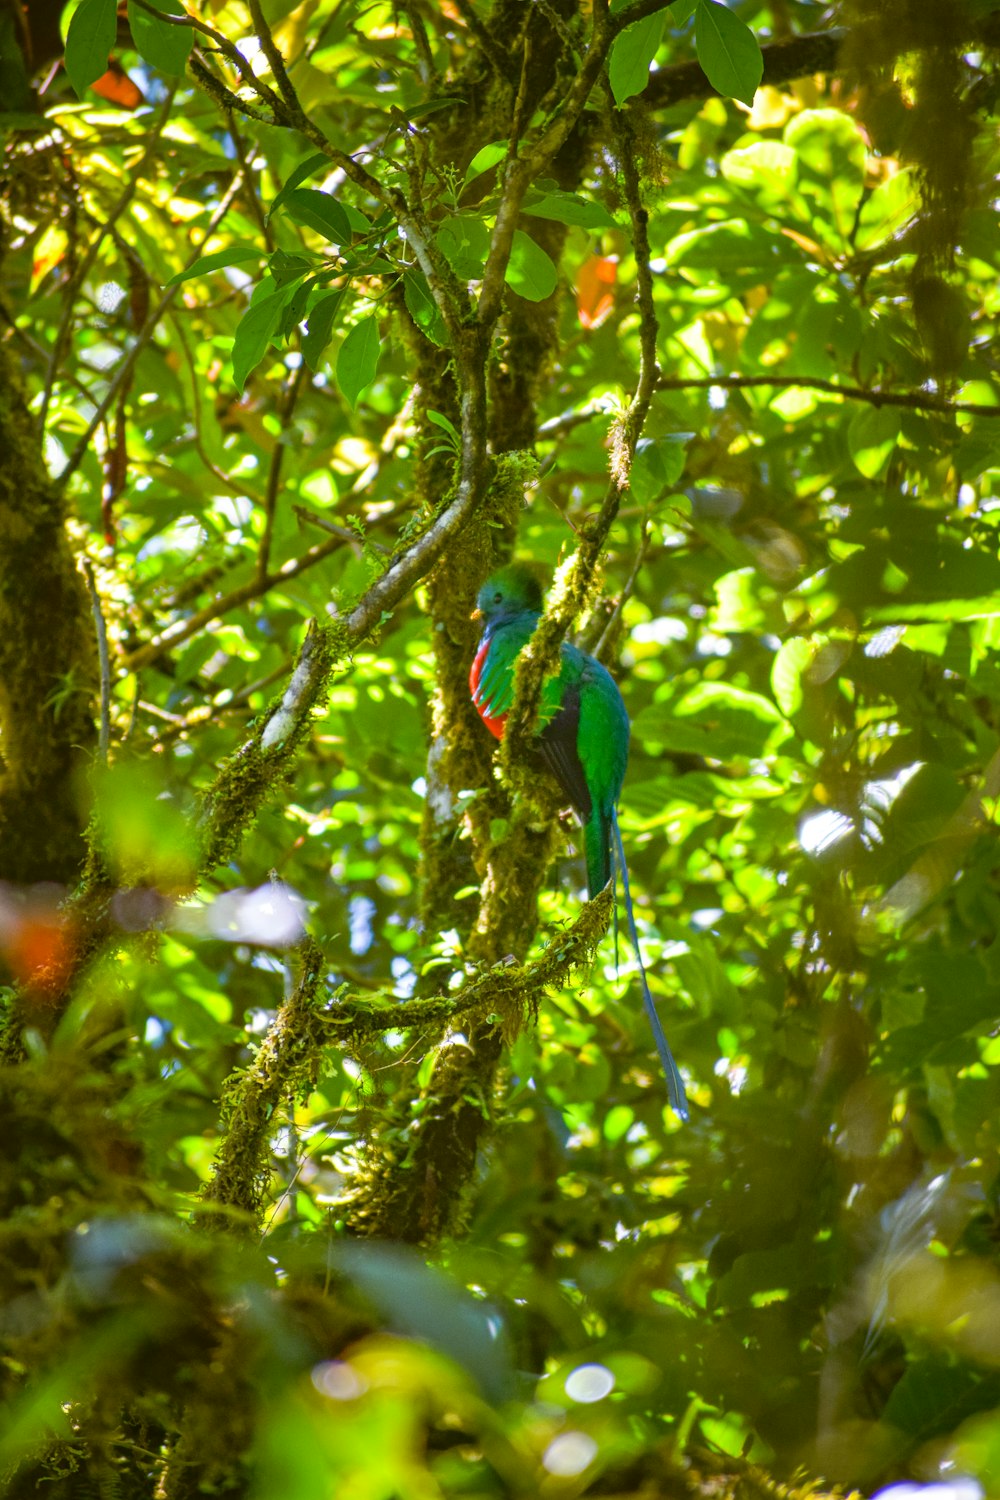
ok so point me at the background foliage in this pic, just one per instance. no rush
(313, 313)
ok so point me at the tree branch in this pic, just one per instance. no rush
(915, 400)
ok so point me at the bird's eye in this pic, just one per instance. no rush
(497, 597)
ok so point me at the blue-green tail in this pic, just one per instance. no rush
(675, 1084)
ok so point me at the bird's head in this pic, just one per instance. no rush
(514, 590)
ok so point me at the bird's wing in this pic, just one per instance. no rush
(558, 747)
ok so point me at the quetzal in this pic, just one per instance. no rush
(583, 738)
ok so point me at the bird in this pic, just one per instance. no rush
(583, 739)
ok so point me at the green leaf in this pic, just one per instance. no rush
(464, 242)
(446, 425)
(235, 255)
(831, 153)
(90, 41)
(253, 334)
(935, 1394)
(319, 327)
(295, 307)
(792, 661)
(321, 212)
(658, 463)
(423, 309)
(885, 211)
(728, 51)
(306, 168)
(485, 158)
(163, 46)
(358, 359)
(570, 208)
(871, 437)
(15, 88)
(357, 220)
(734, 252)
(285, 268)
(631, 54)
(530, 271)
(714, 720)
(765, 169)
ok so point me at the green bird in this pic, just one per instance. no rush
(583, 738)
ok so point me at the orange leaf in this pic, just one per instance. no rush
(117, 87)
(595, 300)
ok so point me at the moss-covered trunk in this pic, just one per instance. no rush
(47, 658)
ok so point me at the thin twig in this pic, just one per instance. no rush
(101, 631)
(274, 470)
(182, 630)
(308, 517)
(225, 46)
(124, 372)
(274, 57)
(610, 630)
(427, 70)
(240, 145)
(226, 480)
(62, 338)
(916, 400)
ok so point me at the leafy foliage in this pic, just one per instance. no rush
(360, 301)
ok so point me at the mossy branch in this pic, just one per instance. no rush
(264, 759)
(307, 1023)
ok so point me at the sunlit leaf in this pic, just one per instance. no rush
(658, 463)
(464, 241)
(530, 271)
(485, 158)
(570, 208)
(872, 435)
(305, 169)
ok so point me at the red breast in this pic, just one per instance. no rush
(496, 724)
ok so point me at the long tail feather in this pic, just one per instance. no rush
(675, 1084)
